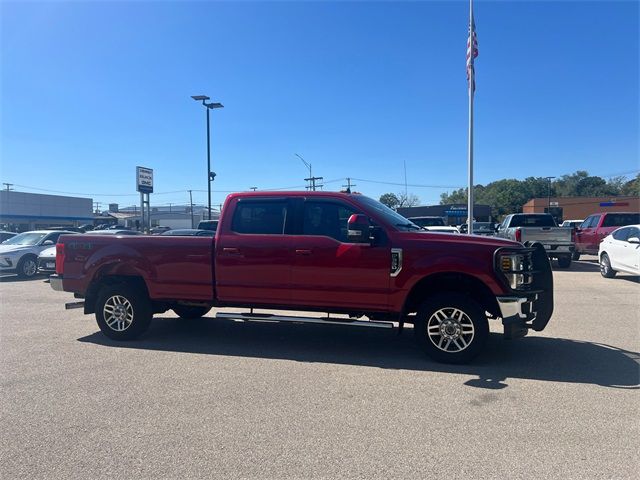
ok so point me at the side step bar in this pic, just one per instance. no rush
(256, 317)
(72, 305)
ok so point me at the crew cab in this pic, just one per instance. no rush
(540, 227)
(336, 253)
(597, 226)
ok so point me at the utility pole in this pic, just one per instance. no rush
(313, 182)
(96, 206)
(349, 185)
(170, 207)
(191, 207)
(8, 185)
(253, 188)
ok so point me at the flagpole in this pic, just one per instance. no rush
(470, 151)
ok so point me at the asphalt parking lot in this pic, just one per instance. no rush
(221, 399)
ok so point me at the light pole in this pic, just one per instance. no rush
(308, 165)
(210, 175)
(549, 194)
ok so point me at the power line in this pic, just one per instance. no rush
(408, 184)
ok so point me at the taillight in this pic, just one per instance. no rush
(59, 258)
(518, 235)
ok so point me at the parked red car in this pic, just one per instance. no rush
(316, 251)
(597, 226)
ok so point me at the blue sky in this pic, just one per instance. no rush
(90, 90)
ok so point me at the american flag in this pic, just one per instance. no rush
(470, 58)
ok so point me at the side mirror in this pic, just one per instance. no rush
(633, 240)
(48, 242)
(358, 227)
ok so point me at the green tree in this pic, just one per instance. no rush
(390, 200)
(457, 196)
(632, 187)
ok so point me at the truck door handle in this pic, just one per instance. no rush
(302, 251)
(231, 251)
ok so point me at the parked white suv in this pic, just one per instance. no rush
(620, 252)
(20, 253)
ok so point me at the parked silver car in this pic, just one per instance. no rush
(20, 253)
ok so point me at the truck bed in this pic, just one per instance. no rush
(175, 267)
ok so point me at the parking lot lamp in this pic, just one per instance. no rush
(210, 175)
(549, 193)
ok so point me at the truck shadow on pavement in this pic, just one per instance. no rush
(534, 358)
(15, 278)
(582, 266)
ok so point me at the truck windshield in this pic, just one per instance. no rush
(390, 216)
(533, 221)
(27, 238)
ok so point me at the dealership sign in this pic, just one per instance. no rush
(144, 179)
(614, 204)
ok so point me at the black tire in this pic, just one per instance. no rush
(451, 329)
(564, 262)
(575, 256)
(190, 313)
(136, 312)
(27, 267)
(605, 267)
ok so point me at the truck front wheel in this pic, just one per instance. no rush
(451, 328)
(122, 312)
(190, 313)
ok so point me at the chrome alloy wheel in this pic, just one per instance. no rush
(29, 268)
(450, 329)
(118, 313)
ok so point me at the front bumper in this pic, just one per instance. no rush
(530, 310)
(56, 283)
(47, 265)
(7, 264)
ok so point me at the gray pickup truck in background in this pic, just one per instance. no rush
(542, 228)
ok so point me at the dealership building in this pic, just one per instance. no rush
(579, 208)
(21, 211)
(454, 214)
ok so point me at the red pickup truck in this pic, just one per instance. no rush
(338, 253)
(597, 226)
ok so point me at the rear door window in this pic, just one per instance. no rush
(260, 217)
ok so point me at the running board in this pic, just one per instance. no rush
(256, 317)
(72, 305)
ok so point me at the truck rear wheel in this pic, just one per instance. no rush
(451, 328)
(190, 313)
(564, 262)
(575, 256)
(123, 312)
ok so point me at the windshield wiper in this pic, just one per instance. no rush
(409, 225)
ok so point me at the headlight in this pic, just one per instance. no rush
(516, 269)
